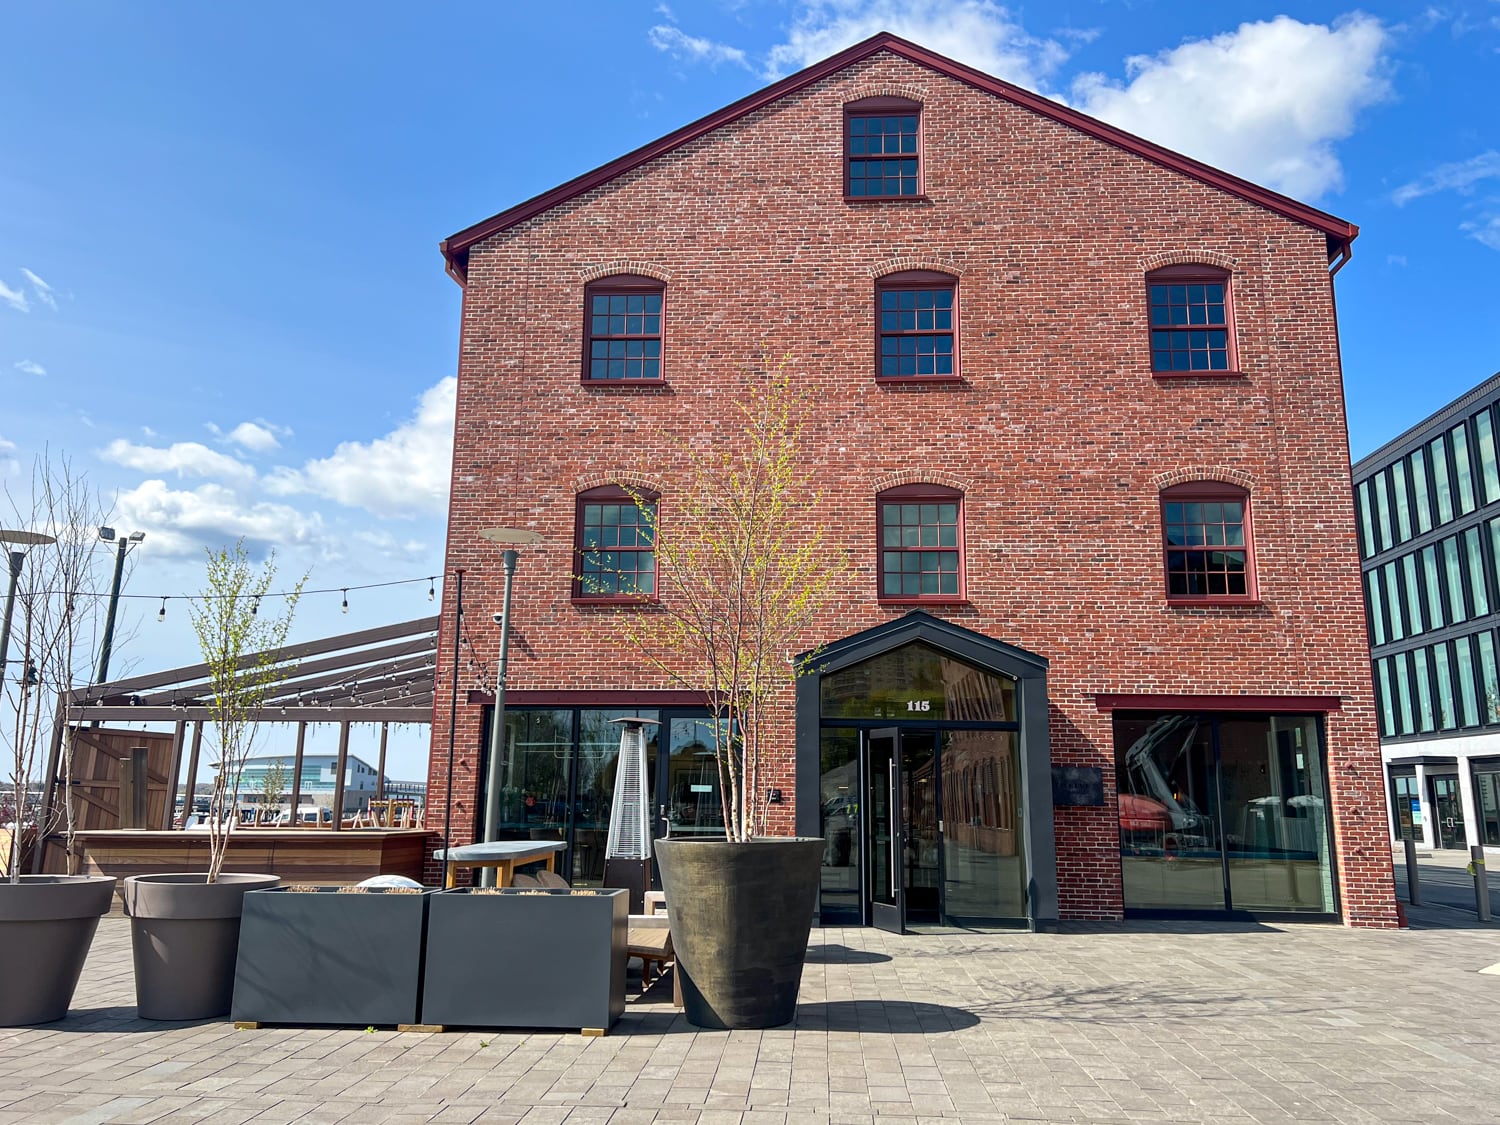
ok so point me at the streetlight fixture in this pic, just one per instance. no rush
(510, 538)
(16, 539)
(107, 535)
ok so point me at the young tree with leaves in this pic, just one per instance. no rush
(241, 642)
(58, 607)
(740, 572)
(273, 784)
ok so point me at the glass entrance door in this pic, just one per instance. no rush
(884, 824)
(1447, 811)
(691, 802)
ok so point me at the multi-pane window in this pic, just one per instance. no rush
(1190, 321)
(623, 331)
(917, 320)
(921, 543)
(615, 546)
(1206, 533)
(882, 149)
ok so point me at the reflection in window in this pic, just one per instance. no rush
(1207, 547)
(920, 554)
(918, 682)
(616, 546)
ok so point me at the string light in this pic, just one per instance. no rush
(255, 609)
(161, 614)
(432, 588)
(346, 602)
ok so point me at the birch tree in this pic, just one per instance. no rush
(59, 603)
(742, 567)
(241, 642)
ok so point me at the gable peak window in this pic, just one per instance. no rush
(622, 330)
(916, 324)
(1207, 544)
(614, 546)
(1192, 321)
(921, 544)
(883, 148)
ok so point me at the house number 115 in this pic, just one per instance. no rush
(919, 705)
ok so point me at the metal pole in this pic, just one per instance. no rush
(1413, 879)
(17, 560)
(1481, 882)
(497, 721)
(338, 781)
(109, 618)
(385, 733)
(296, 821)
(458, 624)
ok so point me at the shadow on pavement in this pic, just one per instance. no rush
(833, 954)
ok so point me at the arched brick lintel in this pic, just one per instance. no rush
(611, 269)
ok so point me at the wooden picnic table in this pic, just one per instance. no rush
(503, 855)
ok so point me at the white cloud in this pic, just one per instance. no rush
(405, 473)
(254, 436)
(978, 32)
(15, 298)
(1460, 176)
(7, 446)
(182, 522)
(693, 49)
(184, 458)
(30, 367)
(44, 292)
(1486, 230)
(1265, 101)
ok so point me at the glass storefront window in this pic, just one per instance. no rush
(1223, 813)
(1407, 807)
(535, 767)
(1474, 556)
(1487, 796)
(598, 760)
(918, 682)
(1447, 712)
(984, 870)
(1374, 600)
(1366, 522)
(1457, 603)
(1426, 718)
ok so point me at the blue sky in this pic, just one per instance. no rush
(221, 295)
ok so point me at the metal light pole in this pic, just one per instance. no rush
(107, 534)
(17, 559)
(509, 538)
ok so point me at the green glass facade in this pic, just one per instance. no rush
(1429, 527)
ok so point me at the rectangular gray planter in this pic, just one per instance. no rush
(330, 955)
(525, 958)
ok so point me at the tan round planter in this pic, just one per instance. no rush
(185, 932)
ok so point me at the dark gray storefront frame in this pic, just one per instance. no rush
(1026, 668)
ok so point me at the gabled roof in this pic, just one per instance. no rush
(1338, 232)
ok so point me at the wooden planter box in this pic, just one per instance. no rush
(518, 957)
(330, 955)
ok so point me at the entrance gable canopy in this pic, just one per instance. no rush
(974, 648)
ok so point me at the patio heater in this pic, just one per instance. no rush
(627, 851)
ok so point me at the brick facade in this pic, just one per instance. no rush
(1057, 434)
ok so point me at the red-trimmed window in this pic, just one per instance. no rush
(615, 546)
(916, 318)
(921, 544)
(882, 148)
(1192, 321)
(623, 330)
(1207, 543)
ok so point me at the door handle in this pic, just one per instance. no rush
(895, 829)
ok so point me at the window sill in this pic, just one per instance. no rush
(1214, 603)
(622, 384)
(887, 198)
(943, 600)
(612, 603)
(1172, 376)
(919, 380)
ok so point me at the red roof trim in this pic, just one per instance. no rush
(1339, 232)
(1318, 703)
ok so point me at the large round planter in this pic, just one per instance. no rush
(740, 916)
(47, 924)
(185, 932)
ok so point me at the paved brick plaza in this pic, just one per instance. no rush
(1177, 1023)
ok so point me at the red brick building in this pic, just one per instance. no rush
(1099, 646)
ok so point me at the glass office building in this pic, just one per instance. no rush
(1429, 529)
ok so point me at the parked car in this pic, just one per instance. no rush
(306, 814)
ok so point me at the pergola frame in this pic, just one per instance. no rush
(383, 675)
